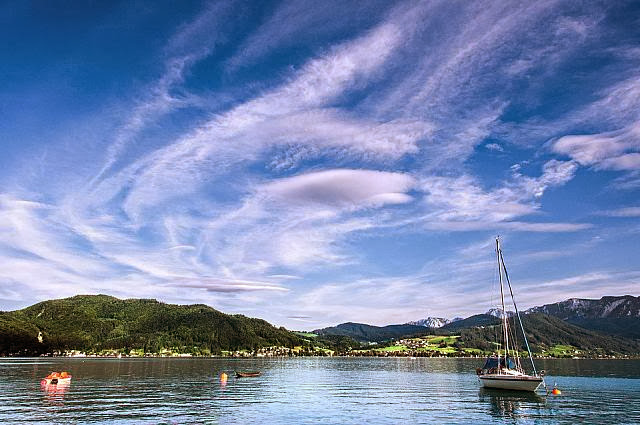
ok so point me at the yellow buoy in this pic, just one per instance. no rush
(223, 377)
(556, 391)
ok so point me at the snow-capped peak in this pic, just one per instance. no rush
(497, 312)
(431, 322)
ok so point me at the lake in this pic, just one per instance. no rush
(310, 390)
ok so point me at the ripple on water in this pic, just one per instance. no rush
(312, 390)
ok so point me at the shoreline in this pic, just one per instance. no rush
(183, 356)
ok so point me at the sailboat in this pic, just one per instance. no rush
(504, 370)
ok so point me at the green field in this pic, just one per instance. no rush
(440, 339)
(393, 348)
(562, 351)
(434, 344)
(435, 348)
(306, 334)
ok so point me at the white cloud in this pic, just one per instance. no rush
(225, 285)
(34, 231)
(514, 226)
(342, 188)
(463, 199)
(460, 203)
(211, 210)
(378, 300)
(329, 128)
(302, 220)
(554, 173)
(194, 41)
(156, 102)
(623, 212)
(494, 147)
(478, 40)
(585, 285)
(300, 23)
(616, 150)
(619, 104)
(47, 253)
(245, 131)
(200, 34)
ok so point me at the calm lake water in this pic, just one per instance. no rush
(311, 391)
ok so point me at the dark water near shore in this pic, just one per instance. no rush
(310, 391)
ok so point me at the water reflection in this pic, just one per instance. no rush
(511, 404)
(54, 393)
(348, 391)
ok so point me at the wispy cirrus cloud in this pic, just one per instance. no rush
(582, 286)
(461, 203)
(158, 102)
(301, 220)
(301, 153)
(99, 260)
(614, 150)
(300, 23)
(238, 134)
(622, 212)
(494, 147)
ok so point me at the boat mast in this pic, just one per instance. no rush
(504, 311)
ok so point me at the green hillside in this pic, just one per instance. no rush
(368, 333)
(546, 332)
(469, 322)
(94, 323)
(628, 327)
(610, 315)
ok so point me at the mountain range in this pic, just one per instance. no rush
(611, 315)
(433, 322)
(626, 306)
(98, 323)
(496, 312)
(607, 322)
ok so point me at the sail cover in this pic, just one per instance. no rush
(493, 362)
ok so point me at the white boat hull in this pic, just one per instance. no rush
(56, 381)
(510, 382)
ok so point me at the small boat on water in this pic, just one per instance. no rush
(504, 369)
(57, 378)
(247, 374)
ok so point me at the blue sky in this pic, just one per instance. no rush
(311, 162)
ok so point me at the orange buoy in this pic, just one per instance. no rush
(223, 377)
(556, 391)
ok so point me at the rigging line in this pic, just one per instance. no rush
(514, 342)
(526, 341)
(516, 349)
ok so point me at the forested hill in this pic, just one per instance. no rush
(545, 332)
(99, 322)
(368, 333)
(610, 315)
(477, 320)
